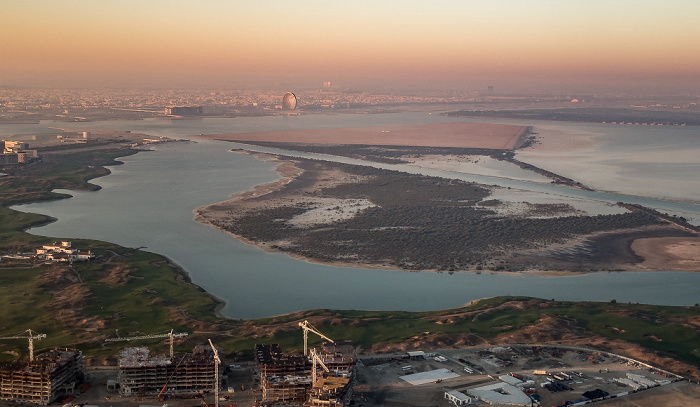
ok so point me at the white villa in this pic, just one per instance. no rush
(62, 251)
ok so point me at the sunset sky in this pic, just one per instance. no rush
(404, 43)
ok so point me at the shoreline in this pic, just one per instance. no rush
(181, 271)
(654, 247)
(177, 268)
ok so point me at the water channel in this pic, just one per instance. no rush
(149, 200)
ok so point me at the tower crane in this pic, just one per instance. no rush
(316, 359)
(170, 335)
(217, 362)
(306, 326)
(30, 337)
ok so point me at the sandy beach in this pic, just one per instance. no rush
(669, 253)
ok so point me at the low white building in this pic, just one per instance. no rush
(83, 256)
(56, 247)
(501, 393)
(634, 385)
(416, 355)
(641, 380)
(62, 252)
(457, 398)
(510, 380)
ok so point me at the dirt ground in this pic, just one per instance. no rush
(461, 134)
(681, 394)
(379, 380)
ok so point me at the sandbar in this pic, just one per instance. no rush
(669, 253)
(457, 135)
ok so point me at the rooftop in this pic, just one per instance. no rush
(45, 362)
(273, 355)
(501, 393)
(140, 357)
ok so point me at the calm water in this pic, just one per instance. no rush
(149, 202)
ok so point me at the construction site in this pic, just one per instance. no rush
(58, 374)
(45, 379)
(189, 374)
(332, 375)
(516, 375)
(319, 377)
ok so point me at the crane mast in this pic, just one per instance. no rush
(306, 326)
(30, 337)
(217, 362)
(316, 359)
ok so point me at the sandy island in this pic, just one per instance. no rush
(650, 253)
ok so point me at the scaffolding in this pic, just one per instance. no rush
(340, 358)
(49, 376)
(334, 389)
(288, 379)
(189, 374)
(283, 378)
(330, 392)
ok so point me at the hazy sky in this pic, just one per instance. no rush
(407, 42)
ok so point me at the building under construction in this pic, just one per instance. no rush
(333, 388)
(339, 357)
(288, 379)
(330, 392)
(189, 374)
(50, 376)
(283, 378)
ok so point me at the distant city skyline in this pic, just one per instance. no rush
(511, 45)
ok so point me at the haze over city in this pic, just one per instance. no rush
(644, 46)
(349, 203)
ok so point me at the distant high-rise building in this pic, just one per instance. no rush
(327, 84)
(15, 146)
(490, 88)
(16, 152)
